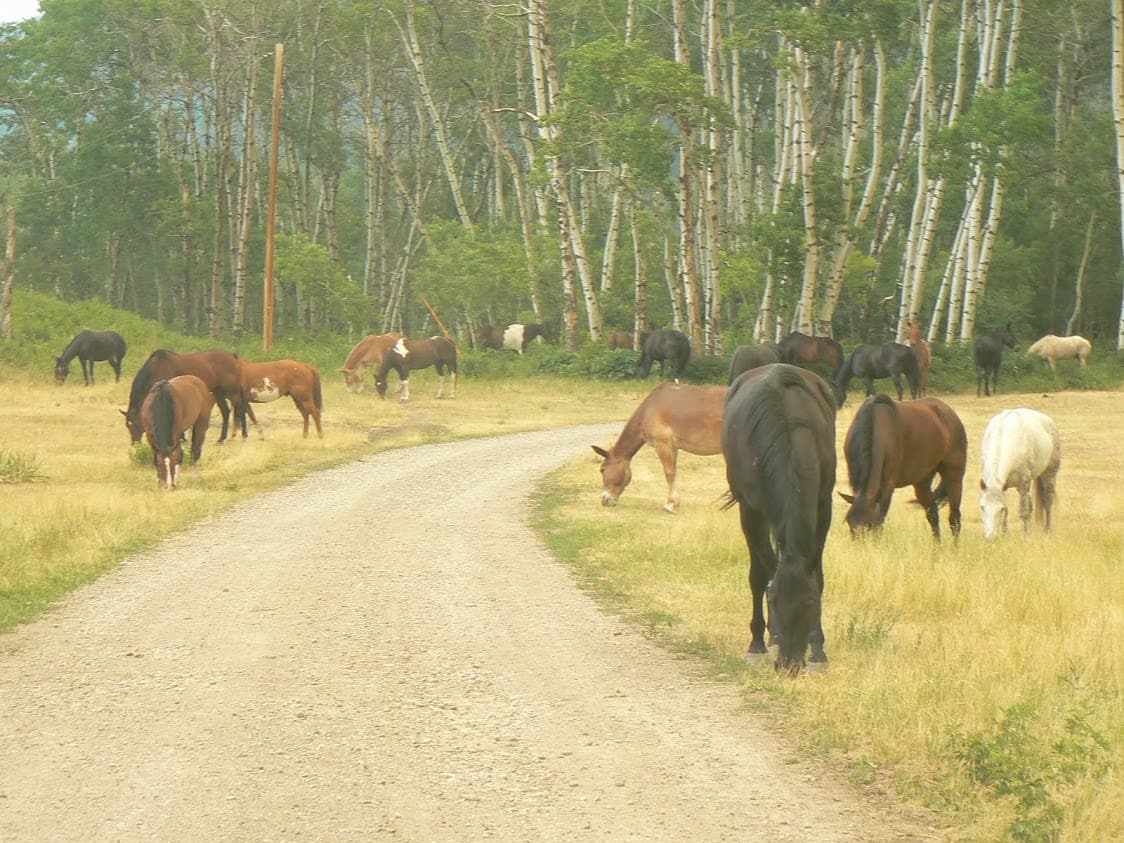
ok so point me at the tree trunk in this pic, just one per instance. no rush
(1079, 285)
(1118, 122)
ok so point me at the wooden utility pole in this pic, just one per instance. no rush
(9, 278)
(267, 296)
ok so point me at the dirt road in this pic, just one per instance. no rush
(385, 651)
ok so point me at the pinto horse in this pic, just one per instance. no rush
(870, 362)
(673, 417)
(890, 445)
(515, 337)
(1021, 448)
(987, 353)
(169, 409)
(407, 355)
(802, 350)
(924, 357)
(667, 346)
(368, 353)
(1053, 348)
(263, 382)
(778, 438)
(220, 370)
(90, 346)
(748, 357)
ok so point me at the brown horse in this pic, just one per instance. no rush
(890, 445)
(673, 417)
(221, 371)
(622, 340)
(748, 357)
(368, 353)
(802, 350)
(407, 355)
(263, 382)
(168, 411)
(924, 357)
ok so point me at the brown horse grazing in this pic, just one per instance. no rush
(622, 341)
(890, 445)
(407, 355)
(748, 357)
(924, 357)
(169, 409)
(368, 353)
(263, 382)
(221, 371)
(802, 350)
(673, 417)
(778, 438)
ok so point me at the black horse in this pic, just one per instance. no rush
(988, 354)
(748, 357)
(670, 348)
(870, 362)
(89, 346)
(778, 438)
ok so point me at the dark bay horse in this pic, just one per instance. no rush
(778, 437)
(367, 353)
(407, 355)
(220, 370)
(670, 348)
(748, 357)
(870, 362)
(90, 346)
(263, 382)
(802, 350)
(987, 354)
(673, 417)
(924, 357)
(890, 445)
(170, 408)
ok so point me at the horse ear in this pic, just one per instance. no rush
(983, 485)
(123, 412)
(601, 452)
(846, 497)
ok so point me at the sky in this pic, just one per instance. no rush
(17, 10)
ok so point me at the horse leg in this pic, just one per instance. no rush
(869, 386)
(87, 370)
(1053, 364)
(441, 380)
(1026, 505)
(1045, 487)
(952, 481)
(924, 493)
(762, 566)
(669, 458)
(404, 385)
(816, 636)
(224, 411)
(116, 364)
(452, 382)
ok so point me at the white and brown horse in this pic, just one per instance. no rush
(368, 353)
(170, 408)
(672, 418)
(1053, 348)
(268, 381)
(407, 355)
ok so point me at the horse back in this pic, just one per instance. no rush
(684, 416)
(932, 435)
(1019, 441)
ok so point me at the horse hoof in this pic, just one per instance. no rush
(669, 508)
(816, 667)
(757, 659)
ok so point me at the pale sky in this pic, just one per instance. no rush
(17, 10)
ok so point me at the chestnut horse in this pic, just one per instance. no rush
(170, 408)
(263, 382)
(803, 350)
(221, 371)
(924, 357)
(1053, 348)
(673, 417)
(778, 438)
(368, 353)
(90, 346)
(407, 355)
(890, 445)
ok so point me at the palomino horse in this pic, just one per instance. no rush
(515, 337)
(987, 353)
(221, 371)
(778, 437)
(263, 382)
(168, 411)
(407, 355)
(673, 417)
(890, 445)
(368, 353)
(870, 362)
(90, 346)
(748, 357)
(1021, 448)
(924, 357)
(1053, 348)
(802, 350)
(669, 347)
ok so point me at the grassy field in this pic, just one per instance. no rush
(982, 680)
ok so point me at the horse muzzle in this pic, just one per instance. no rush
(607, 499)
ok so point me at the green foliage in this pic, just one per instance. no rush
(17, 467)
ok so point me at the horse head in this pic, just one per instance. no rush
(616, 474)
(352, 380)
(168, 464)
(133, 426)
(993, 510)
(61, 371)
(794, 602)
(865, 514)
(1007, 337)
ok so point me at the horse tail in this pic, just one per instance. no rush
(864, 458)
(317, 394)
(163, 417)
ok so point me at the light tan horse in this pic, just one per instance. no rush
(921, 350)
(368, 353)
(1053, 348)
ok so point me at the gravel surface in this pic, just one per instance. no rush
(386, 651)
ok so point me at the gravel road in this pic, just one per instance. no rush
(386, 651)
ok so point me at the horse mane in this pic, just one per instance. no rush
(143, 379)
(859, 449)
(163, 416)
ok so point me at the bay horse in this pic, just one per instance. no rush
(870, 362)
(778, 438)
(667, 346)
(1053, 348)
(220, 370)
(987, 354)
(748, 357)
(673, 417)
(367, 353)
(924, 357)
(802, 350)
(1021, 448)
(170, 408)
(268, 381)
(408, 355)
(890, 445)
(90, 346)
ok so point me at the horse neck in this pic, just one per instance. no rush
(70, 352)
(631, 438)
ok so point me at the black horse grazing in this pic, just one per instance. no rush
(988, 354)
(802, 350)
(878, 361)
(669, 347)
(748, 357)
(88, 347)
(778, 437)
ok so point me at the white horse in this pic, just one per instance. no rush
(1020, 448)
(1053, 348)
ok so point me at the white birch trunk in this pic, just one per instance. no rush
(1118, 122)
